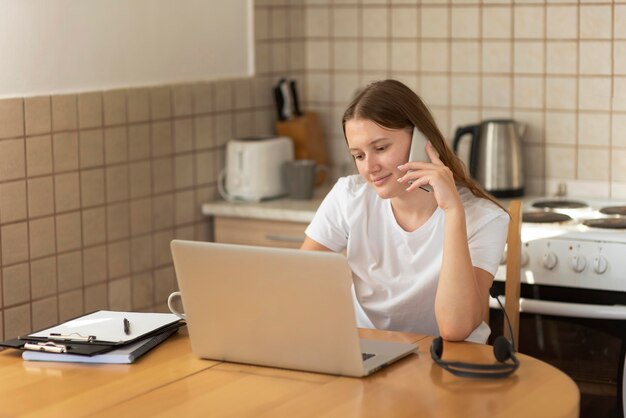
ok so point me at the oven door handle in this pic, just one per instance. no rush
(570, 310)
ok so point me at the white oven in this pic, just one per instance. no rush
(573, 296)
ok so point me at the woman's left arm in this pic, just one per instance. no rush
(463, 289)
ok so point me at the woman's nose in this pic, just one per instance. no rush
(371, 164)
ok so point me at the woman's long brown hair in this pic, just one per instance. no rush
(392, 105)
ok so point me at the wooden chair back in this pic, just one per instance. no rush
(513, 271)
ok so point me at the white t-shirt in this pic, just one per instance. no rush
(395, 272)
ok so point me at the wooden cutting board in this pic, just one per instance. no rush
(308, 141)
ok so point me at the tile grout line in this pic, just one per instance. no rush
(174, 192)
(611, 103)
(27, 222)
(577, 92)
(544, 100)
(80, 198)
(54, 211)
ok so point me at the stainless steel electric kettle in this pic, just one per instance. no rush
(495, 159)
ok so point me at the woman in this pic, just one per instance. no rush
(422, 261)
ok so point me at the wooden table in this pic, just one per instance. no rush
(171, 382)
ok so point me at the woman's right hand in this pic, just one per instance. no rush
(437, 175)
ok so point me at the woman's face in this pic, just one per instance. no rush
(377, 153)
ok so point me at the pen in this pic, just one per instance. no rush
(49, 347)
(74, 336)
(126, 326)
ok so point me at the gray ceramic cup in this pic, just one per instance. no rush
(299, 177)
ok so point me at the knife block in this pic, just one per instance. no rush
(308, 141)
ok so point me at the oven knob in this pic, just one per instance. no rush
(579, 262)
(600, 264)
(524, 261)
(549, 260)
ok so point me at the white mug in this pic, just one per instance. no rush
(170, 304)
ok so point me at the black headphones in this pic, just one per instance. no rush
(502, 349)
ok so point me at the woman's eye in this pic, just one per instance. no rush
(381, 148)
(357, 157)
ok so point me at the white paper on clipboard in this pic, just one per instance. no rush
(108, 326)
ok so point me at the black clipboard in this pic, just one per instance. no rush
(96, 333)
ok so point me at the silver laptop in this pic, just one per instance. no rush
(275, 307)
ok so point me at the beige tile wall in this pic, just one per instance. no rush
(93, 187)
(557, 65)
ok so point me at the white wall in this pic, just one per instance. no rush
(55, 46)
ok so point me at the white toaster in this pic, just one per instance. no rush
(254, 168)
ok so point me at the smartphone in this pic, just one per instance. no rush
(418, 146)
(418, 151)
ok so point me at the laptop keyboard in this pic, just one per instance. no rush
(367, 355)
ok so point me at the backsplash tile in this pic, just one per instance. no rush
(94, 265)
(115, 145)
(16, 284)
(116, 179)
(138, 105)
(120, 294)
(114, 104)
(12, 201)
(139, 141)
(89, 110)
(65, 151)
(11, 118)
(69, 271)
(160, 103)
(96, 298)
(45, 313)
(561, 57)
(41, 237)
(39, 155)
(96, 186)
(37, 115)
(596, 21)
(161, 139)
(68, 231)
(14, 241)
(12, 159)
(71, 304)
(66, 192)
(17, 320)
(91, 148)
(92, 187)
(142, 289)
(43, 277)
(118, 221)
(182, 97)
(94, 226)
(118, 259)
(64, 112)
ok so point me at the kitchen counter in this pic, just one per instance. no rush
(283, 209)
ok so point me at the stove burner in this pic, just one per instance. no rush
(607, 223)
(560, 204)
(614, 210)
(545, 217)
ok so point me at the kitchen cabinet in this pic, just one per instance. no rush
(273, 223)
(269, 233)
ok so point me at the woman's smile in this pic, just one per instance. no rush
(379, 181)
